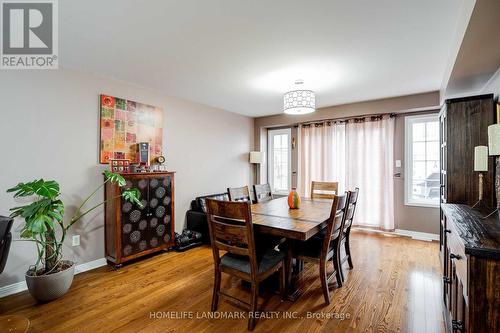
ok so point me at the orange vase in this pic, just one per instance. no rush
(293, 199)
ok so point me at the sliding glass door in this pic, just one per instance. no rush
(279, 160)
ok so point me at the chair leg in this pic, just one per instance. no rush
(348, 252)
(338, 269)
(282, 288)
(215, 295)
(324, 281)
(253, 306)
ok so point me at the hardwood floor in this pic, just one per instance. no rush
(394, 287)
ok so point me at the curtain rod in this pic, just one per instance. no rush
(360, 117)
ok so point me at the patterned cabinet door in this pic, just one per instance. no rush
(134, 220)
(160, 202)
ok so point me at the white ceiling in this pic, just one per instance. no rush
(242, 56)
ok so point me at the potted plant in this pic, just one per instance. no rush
(51, 276)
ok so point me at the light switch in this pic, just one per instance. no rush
(398, 163)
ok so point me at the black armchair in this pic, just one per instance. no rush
(197, 216)
(5, 240)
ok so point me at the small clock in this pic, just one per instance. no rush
(160, 159)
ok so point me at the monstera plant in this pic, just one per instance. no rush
(51, 276)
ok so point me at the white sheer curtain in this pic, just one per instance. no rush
(369, 166)
(321, 155)
(356, 154)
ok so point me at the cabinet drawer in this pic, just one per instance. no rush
(457, 251)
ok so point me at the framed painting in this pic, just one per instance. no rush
(125, 123)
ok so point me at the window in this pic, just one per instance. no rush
(422, 186)
(279, 148)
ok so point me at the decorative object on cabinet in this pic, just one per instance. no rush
(125, 123)
(480, 165)
(120, 166)
(51, 276)
(131, 231)
(494, 150)
(142, 153)
(160, 164)
(470, 270)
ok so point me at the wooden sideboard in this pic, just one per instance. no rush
(132, 231)
(471, 267)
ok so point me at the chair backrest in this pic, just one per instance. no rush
(231, 229)
(336, 220)
(353, 200)
(262, 192)
(324, 190)
(239, 194)
(5, 240)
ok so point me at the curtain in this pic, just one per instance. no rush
(321, 155)
(369, 166)
(358, 153)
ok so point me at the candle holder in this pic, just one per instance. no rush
(480, 166)
(497, 187)
(494, 150)
(480, 190)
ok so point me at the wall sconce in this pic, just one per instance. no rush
(480, 165)
(494, 150)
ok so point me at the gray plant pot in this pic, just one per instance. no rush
(47, 288)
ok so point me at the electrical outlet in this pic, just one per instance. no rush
(76, 240)
(398, 163)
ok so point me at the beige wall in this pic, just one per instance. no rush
(49, 128)
(493, 85)
(406, 217)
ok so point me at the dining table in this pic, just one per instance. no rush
(274, 217)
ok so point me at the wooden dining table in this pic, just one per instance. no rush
(274, 217)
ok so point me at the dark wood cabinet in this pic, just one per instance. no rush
(464, 125)
(132, 231)
(471, 280)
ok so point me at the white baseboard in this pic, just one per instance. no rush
(425, 236)
(13, 288)
(90, 265)
(21, 285)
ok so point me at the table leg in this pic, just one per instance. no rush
(292, 291)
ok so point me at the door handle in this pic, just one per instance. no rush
(455, 256)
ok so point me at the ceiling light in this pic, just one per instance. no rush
(299, 101)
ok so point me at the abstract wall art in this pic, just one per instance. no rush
(125, 123)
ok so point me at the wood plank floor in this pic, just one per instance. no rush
(394, 287)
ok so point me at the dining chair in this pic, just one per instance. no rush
(239, 194)
(262, 193)
(231, 230)
(325, 246)
(346, 230)
(324, 190)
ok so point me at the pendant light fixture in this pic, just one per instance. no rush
(299, 101)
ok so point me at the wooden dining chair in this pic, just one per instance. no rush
(231, 230)
(324, 190)
(239, 194)
(346, 230)
(262, 193)
(325, 246)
